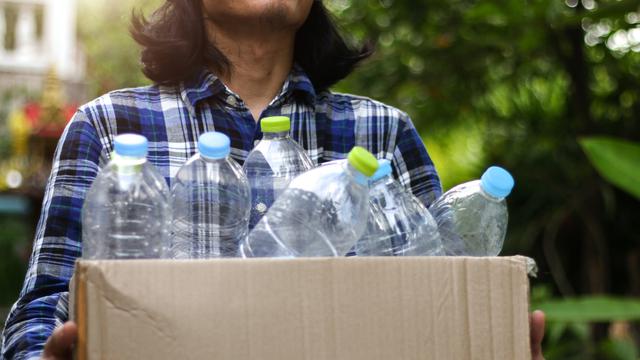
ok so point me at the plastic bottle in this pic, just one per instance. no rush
(211, 202)
(410, 229)
(126, 212)
(473, 217)
(272, 164)
(323, 212)
(377, 237)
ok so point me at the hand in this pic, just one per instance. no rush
(536, 326)
(60, 344)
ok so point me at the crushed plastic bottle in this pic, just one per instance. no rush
(272, 164)
(211, 202)
(323, 212)
(126, 212)
(399, 225)
(472, 217)
(377, 239)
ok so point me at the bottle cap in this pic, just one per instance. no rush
(274, 124)
(214, 145)
(497, 182)
(363, 161)
(133, 145)
(384, 169)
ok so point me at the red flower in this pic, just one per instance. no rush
(43, 128)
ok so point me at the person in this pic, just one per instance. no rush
(215, 64)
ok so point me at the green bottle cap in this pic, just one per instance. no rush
(363, 161)
(275, 124)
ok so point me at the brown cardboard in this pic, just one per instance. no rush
(321, 308)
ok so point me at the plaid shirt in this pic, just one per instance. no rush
(327, 125)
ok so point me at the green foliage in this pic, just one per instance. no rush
(569, 331)
(466, 165)
(112, 55)
(591, 309)
(619, 350)
(14, 238)
(616, 160)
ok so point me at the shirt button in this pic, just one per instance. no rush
(261, 207)
(231, 100)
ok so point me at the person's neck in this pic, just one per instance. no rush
(259, 67)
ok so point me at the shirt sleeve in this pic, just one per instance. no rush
(413, 166)
(42, 304)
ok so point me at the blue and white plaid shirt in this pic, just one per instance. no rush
(326, 124)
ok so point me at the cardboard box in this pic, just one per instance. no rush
(313, 308)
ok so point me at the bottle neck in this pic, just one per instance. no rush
(382, 180)
(127, 166)
(212, 160)
(125, 160)
(356, 175)
(489, 196)
(275, 135)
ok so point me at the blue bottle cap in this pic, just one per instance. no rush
(497, 182)
(214, 145)
(384, 169)
(133, 145)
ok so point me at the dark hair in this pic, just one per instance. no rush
(175, 45)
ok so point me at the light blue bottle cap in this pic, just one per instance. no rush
(384, 169)
(497, 182)
(133, 145)
(214, 145)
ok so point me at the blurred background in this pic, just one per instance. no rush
(547, 88)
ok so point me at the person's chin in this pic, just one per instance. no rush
(282, 13)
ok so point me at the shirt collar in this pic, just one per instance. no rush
(299, 82)
(205, 84)
(201, 85)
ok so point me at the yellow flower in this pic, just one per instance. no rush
(20, 130)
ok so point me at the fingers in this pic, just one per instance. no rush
(60, 343)
(536, 324)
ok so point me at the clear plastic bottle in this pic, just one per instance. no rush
(272, 164)
(473, 216)
(323, 212)
(410, 229)
(211, 202)
(126, 212)
(377, 237)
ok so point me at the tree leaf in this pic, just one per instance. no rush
(618, 161)
(591, 309)
(619, 350)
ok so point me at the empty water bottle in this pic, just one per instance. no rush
(323, 212)
(472, 217)
(211, 202)
(272, 164)
(410, 230)
(126, 212)
(377, 237)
